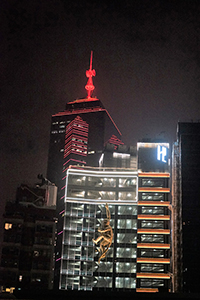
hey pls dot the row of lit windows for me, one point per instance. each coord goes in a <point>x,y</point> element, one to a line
<point>105,282</point>
<point>86,210</point>
<point>101,181</point>
<point>152,196</point>
<point>156,268</point>
<point>152,224</point>
<point>153,182</point>
<point>154,210</point>
<point>152,238</point>
<point>101,195</point>
<point>75,223</point>
<point>157,253</point>
<point>57,131</point>
<point>120,267</point>
<point>125,252</point>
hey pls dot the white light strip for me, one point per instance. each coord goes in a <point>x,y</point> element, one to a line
<point>151,145</point>
<point>93,201</point>
<point>102,173</point>
<point>121,155</point>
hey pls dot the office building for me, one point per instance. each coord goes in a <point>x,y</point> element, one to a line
<point>138,199</point>
<point>154,271</point>
<point>186,207</point>
<point>27,258</point>
<point>79,133</point>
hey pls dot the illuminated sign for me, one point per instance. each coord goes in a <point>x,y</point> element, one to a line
<point>161,153</point>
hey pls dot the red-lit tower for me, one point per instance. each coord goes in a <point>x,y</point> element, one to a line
<point>78,135</point>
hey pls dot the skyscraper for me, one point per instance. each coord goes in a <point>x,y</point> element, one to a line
<point>186,207</point>
<point>78,135</point>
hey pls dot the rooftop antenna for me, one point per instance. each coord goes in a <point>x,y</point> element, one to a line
<point>90,73</point>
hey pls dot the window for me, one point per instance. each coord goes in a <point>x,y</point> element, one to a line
<point>152,238</point>
<point>152,224</point>
<point>152,253</point>
<point>127,210</point>
<point>127,182</point>
<point>127,224</point>
<point>8,226</point>
<point>151,182</point>
<point>126,252</point>
<point>151,282</point>
<point>153,210</point>
<point>130,238</point>
<point>127,282</point>
<point>153,196</point>
<point>122,267</point>
<point>76,193</point>
<point>157,268</point>
<point>127,195</point>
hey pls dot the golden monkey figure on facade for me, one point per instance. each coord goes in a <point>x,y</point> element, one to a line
<point>106,236</point>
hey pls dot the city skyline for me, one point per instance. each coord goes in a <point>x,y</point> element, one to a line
<point>146,68</point>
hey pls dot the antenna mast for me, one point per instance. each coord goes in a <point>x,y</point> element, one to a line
<point>90,73</point>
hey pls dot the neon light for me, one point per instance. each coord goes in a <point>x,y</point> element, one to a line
<point>58,259</point>
<point>156,231</point>
<point>153,203</point>
<point>153,260</point>
<point>150,189</point>
<point>103,172</point>
<point>153,275</point>
<point>84,111</point>
<point>153,217</point>
<point>151,145</point>
<point>165,175</point>
<point>161,153</point>
<point>76,160</point>
<point>121,155</point>
<point>62,212</point>
<point>154,246</point>
<point>60,232</point>
<point>114,140</point>
<point>146,290</point>
<point>78,111</point>
<point>90,73</point>
<point>83,100</point>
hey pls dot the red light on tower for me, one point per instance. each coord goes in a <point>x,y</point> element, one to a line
<point>90,73</point>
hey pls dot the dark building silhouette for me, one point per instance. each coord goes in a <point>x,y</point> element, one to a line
<point>27,252</point>
<point>186,207</point>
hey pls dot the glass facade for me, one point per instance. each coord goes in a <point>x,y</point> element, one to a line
<point>87,193</point>
<point>153,247</point>
<point>139,204</point>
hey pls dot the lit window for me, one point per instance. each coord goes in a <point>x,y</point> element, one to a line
<point>8,226</point>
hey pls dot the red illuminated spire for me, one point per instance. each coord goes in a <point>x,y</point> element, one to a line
<point>90,73</point>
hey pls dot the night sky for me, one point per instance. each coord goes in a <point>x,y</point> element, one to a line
<point>146,56</point>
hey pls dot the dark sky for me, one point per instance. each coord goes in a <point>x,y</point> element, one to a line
<point>146,56</point>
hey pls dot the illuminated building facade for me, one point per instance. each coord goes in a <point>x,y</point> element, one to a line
<point>138,199</point>
<point>88,190</point>
<point>153,232</point>
<point>186,207</point>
